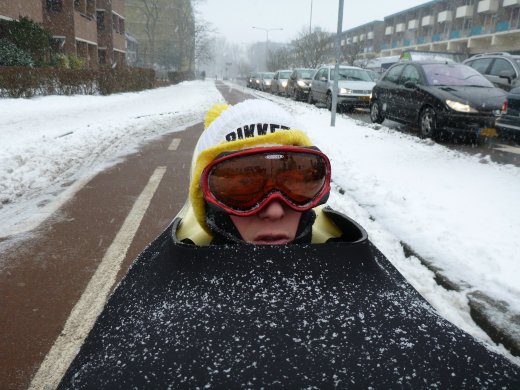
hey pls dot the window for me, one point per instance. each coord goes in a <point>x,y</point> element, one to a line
<point>501,65</point>
<point>115,24</point>
<point>100,17</point>
<point>393,74</point>
<point>410,73</point>
<point>102,56</point>
<point>319,74</point>
<point>480,65</point>
<point>54,5</point>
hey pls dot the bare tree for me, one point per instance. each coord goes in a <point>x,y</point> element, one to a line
<point>151,14</point>
<point>185,31</point>
<point>312,49</point>
<point>278,59</point>
<point>204,52</point>
<point>351,52</point>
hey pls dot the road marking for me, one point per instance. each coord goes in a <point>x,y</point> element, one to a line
<point>87,309</point>
<point>508,148</point>
<point>175,144</point>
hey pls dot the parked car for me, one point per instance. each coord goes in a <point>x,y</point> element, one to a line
<point>257,80</point>
<point>502,69</point>
<point>508,124</point>
<point>438,97</point>
<point>265,81</point>
<point>298,83</point>
<point>250,80</point>
<point>354,87</point>
<point>279,83</point>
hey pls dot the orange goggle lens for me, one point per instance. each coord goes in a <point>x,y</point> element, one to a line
<point>243,182</point>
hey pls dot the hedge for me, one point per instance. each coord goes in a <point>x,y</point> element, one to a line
<point>27,82</point>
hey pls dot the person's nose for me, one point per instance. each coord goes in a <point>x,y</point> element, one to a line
<point>273,210</point>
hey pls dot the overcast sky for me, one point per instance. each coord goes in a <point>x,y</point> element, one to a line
<point>235,19</point>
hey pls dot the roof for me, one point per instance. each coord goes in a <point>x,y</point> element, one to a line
<point>408,10</point>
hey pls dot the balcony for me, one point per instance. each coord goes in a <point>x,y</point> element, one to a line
<point>487,7</point>
<point>465,11</point>
<point>455,35</point>
<point>476,30</point>
<point>413,24</point>
<point>436,37</point>
<point>502,26</point>
<point>400,27</point>
<point>427,20</point>
<point>509,3</point>
<point>389,30</point>
<point>445,16</point>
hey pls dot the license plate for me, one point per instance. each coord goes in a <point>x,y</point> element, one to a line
<point>488,132</point>
<point>364,98</point>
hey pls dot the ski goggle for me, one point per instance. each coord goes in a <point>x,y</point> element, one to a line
<point>243,182</point>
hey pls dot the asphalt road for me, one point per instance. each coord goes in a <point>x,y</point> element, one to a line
<point>55,282</point>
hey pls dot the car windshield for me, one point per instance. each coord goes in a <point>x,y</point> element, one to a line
<point>268,75</point>
<point>351,74</point>
<point>285,75</point>
<point>306,74</point>
<point>455,75</point>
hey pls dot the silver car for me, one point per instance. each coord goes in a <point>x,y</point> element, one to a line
<point>502,69</point>
<point>279,82</point>
<point>354,87</point>
<point>265,81</point>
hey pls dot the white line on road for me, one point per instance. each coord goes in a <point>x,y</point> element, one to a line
<point>175,144</point>
<point>508,148</point>
<point>91,303</point>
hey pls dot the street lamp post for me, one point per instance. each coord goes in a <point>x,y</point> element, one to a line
<point>267,39</point>
<point>310,21</point>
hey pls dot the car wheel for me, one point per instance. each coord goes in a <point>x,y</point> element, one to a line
<point>427,123</point>
<point>329,102</point>
<point>310,99</point>
<point>375,113</point>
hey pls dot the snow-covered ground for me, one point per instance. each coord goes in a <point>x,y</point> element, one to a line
<point>459,213</point>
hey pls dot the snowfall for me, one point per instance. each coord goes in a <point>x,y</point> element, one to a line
<point>458,213</point>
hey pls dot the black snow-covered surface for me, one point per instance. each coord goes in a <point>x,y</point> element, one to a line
<point>298,316</point>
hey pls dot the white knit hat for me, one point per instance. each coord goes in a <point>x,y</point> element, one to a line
<point>250,118</point>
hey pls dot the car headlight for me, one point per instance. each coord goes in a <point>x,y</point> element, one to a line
<point>460,107</point>
<point>345,91</point>
<point>301,83</point>
<point>268,82</point>
<point>284,84</point>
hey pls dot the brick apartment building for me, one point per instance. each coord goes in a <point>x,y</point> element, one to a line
<point>94,30</point>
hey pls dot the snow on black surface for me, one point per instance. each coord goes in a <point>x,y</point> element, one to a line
<point>311,316</point>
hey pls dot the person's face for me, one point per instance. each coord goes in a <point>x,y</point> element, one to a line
<point>275,224</point>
